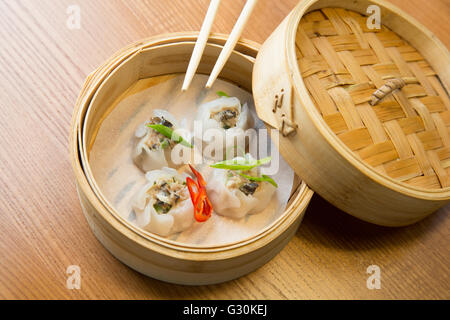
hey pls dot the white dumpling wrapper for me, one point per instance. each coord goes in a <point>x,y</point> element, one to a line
<point>179,218</point>
<point>233,203</point>
<point>228,136</point>
<point>146,159</point>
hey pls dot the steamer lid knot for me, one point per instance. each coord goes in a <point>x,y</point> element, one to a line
<point>386,89</point>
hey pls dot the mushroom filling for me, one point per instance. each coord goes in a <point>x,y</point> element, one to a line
<point>249,188</point>
<point>228,117</point>
<point>157,140</point>
<point>162,120</point>
<point>166,193</point>
<point>246,186</point>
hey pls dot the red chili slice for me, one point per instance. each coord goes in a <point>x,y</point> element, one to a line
<point>200,213</point>
<point>200,180</point>
<point>199,197</point>
<point>193,189</point>
<point>207,210</point>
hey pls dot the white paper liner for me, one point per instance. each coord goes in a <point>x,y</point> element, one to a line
<point>119,179</point>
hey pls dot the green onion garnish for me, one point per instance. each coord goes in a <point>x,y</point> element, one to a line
<point>222,94</point>
<point>164,144</point>
<point>168,132</point>
<point>162,207</point>
<point>262,178</point>
<point>241,164</point>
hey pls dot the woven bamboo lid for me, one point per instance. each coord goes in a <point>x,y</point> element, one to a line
<point>403,134</point>
<point>363,113</point>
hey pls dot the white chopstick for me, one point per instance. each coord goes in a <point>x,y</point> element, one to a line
<point>231,42</point>
<point>201,43</point>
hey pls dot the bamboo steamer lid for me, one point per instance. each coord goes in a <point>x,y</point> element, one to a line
<point>364,114</point>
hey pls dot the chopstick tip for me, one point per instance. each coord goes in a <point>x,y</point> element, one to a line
<point>209,83</point>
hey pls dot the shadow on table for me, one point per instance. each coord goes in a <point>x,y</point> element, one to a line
<point>328,226</point>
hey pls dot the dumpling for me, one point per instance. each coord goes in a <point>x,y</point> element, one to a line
<point>163,206</point>
<point>235,196</point>
<point>152,149</point>
<point>229,117</point>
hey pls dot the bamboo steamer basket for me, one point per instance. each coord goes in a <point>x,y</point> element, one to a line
<point>147,253</point>
<point>364,114</point>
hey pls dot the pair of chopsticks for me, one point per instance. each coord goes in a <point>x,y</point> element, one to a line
<point>227,49</point>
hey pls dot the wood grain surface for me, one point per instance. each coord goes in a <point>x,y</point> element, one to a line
<point>42,231</point>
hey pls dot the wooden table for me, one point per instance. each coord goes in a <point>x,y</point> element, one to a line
<point>43,64</point>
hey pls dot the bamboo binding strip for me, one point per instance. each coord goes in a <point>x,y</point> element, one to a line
<point>403,134</point>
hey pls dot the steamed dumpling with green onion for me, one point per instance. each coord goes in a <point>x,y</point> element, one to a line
<point>153,149</point>
<point>236,193</point>
<point>163,206</point>
<point>228,116</point>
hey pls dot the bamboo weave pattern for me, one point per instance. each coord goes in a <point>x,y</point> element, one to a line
<point>343,62</point>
